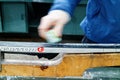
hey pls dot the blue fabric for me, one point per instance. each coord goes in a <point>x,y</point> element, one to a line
<point>66,5</point>
<point>102,21</point>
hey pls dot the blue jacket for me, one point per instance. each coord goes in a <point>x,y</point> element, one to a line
<point>102,21</point>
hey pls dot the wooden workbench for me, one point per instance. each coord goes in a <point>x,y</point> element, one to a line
<point>72,65</point>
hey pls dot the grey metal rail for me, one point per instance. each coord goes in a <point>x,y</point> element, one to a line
<point>36,47</point>
<point>43,61</point>
<point>41,48</point>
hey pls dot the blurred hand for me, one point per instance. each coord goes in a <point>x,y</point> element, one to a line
<point>55,20</point>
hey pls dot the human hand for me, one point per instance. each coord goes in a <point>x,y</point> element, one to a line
<point>54,21</point>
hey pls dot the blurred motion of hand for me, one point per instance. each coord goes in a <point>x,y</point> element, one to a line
<point>55,20</point>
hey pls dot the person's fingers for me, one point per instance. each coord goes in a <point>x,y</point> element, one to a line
<point>45,24</point>
<point>55,20</point>
<point>42,34</point>
<point>58,29</point>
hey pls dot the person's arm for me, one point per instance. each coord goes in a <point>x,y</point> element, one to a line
<point>59,14</point>
<point>65,5</point>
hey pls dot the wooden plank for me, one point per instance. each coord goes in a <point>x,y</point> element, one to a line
<point>72,65</point>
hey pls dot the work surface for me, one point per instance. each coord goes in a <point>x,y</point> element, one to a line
<point>72,65</point>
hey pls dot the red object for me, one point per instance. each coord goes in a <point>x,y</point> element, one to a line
<point>40,49</point>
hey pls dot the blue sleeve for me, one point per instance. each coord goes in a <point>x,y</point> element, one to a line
<point>66,5</point>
